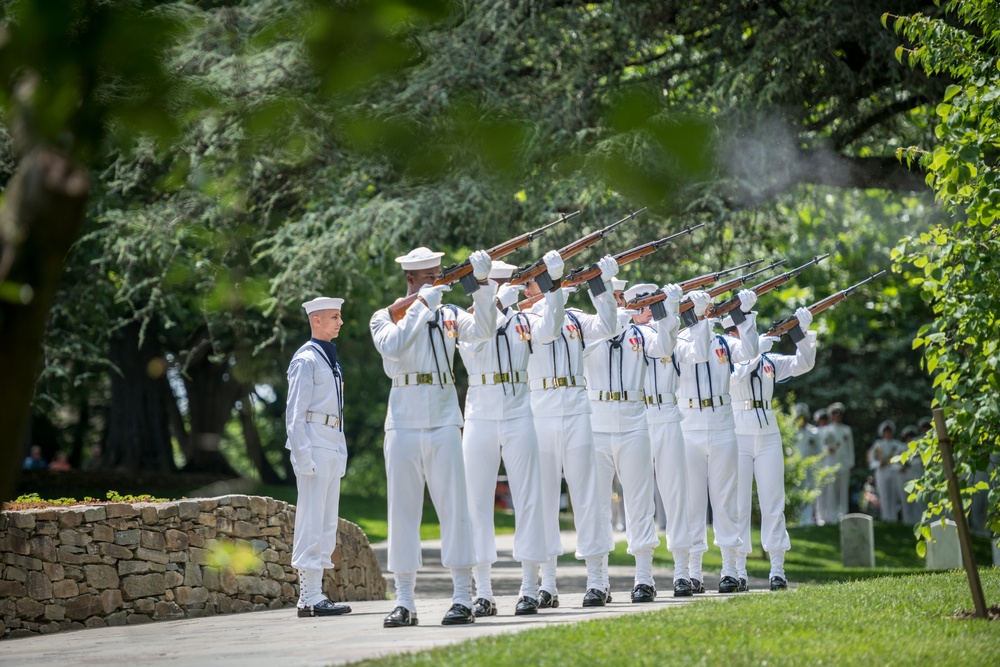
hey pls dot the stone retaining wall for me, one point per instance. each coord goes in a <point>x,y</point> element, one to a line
<point>117,564</point>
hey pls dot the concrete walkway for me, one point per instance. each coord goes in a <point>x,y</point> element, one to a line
<point>279,638</point>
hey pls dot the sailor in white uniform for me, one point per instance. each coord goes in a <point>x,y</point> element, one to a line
<point>839,438</point>
<point>710,443</point>
<point>423,442</point>
<point>761,455</point>
<point>498,424</point>
<point>314,418</point>
<point>565,440</point>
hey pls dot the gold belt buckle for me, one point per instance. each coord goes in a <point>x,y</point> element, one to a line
<point>560,382</point>
<point>501,377</point>
<point>707,402</point>
<point>425,378</point>
<point>614,395</point>
<point>758,404</point>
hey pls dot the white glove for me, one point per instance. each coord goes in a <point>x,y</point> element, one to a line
<point>481,264</point>
<point>306,469</point>
<point>608,267</point>
<point>569,290</point>
<point>673,293</point>
<point>554,264</point>
<point>804,317</point>
<point>508,294</point>
<point>431,294</point>
<point>700,300</point>
<point>747,299</point>
<point>624,318</point>
<point>765,343</point>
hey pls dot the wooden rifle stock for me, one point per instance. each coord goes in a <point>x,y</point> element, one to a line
<point>535,270</point>
<point>722,309</point>
<point>463,272</point>
<point>786,325</point>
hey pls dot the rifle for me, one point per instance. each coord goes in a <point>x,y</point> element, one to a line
<point>592,275</point>
<point>733,304</point>
<point>537,270</point>
<point>789,324</point>
<point>712,278</point>
<point>655,300</point>
<point>463,272</point>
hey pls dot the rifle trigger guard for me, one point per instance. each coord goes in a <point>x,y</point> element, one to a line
<point>596,285</point>
<point>545,282</point>
<point>469,283</point>
<point>659,310</point>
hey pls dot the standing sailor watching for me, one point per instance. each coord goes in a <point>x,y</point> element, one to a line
<point>565,440</point>
<point>761,455</point>
<point>498,424</point>
<point>808,444</point>
<point>314,422</point>
<point>710,443</point>
<point>664,417</point>
<point>423,442</point>
<point>839,438</point>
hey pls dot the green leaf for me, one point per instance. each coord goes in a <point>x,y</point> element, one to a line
<point>951,91</point>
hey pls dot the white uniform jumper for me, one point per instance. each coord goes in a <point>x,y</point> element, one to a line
<point>710,444</point>
<point>314,424</point>
<point>807,441</point>
<point>423,442</point>
<point>887,478</point>
<point>565,440</point>
<point>761,455</point>
<point>666,438</point>
<point>498,423</point>
<point>839,438</point>
<point>616,372</point>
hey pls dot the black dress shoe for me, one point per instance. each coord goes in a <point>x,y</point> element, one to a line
<point>595,597</point>
<point>483,607</point>
<point>743,587</point>
<point>547,600</point>
<point>684,589</point>
<point>607,595</point>
<point>728,585</point>
<point>399,617</point>
<point>459,614</point>
<point>778,583</point>
<point>643,593</point>
<point>324,608</point>
<point>525,606</point>
<point>697,587</point>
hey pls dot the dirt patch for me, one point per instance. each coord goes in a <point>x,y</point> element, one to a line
<point>992,613</point>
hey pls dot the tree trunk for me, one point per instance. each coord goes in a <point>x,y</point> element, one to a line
<point>43,211</point>
<point>212,392</point>
<point>255,449</point>
<point>138,436</point>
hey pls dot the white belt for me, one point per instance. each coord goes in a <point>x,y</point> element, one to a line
<point>661,399</point>
<point>333,421</point>
<point>602,395</point>
<point>414,379</point>
<point>516,377</point>
<point>713,402</point>
<point>555,383</point>
<point>753,405</point>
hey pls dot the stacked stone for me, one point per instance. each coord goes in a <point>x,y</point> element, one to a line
<point>116,564</point>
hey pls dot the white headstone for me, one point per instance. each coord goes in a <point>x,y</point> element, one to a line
<point>996,551</point>
<point>857,541</point>
<point>944,551</point>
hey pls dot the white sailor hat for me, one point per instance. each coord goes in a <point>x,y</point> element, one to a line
<point>727,322</point>
<point>322,303</point>
<point>501,270</point>
<point>801,410</point>
<point>887,424</point>
<point>640,289</point>
<point>836,406</point>
<point>420,258</point>
<point>618,284</point>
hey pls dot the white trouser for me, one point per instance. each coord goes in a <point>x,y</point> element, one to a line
<point>484,442</point>
<point>843,483</point>
<point>566,447</point>
<point>434,456</point>
<point>712,473</point>
<point>316,512</point>
<point>627,454</point>
<point>670,464</point>
<point>826,504</point>
<point>886,479</point>
<point>762,458</point>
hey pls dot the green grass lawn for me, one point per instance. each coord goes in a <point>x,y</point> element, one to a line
<point>815,555</point>
<point>899,620</point>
